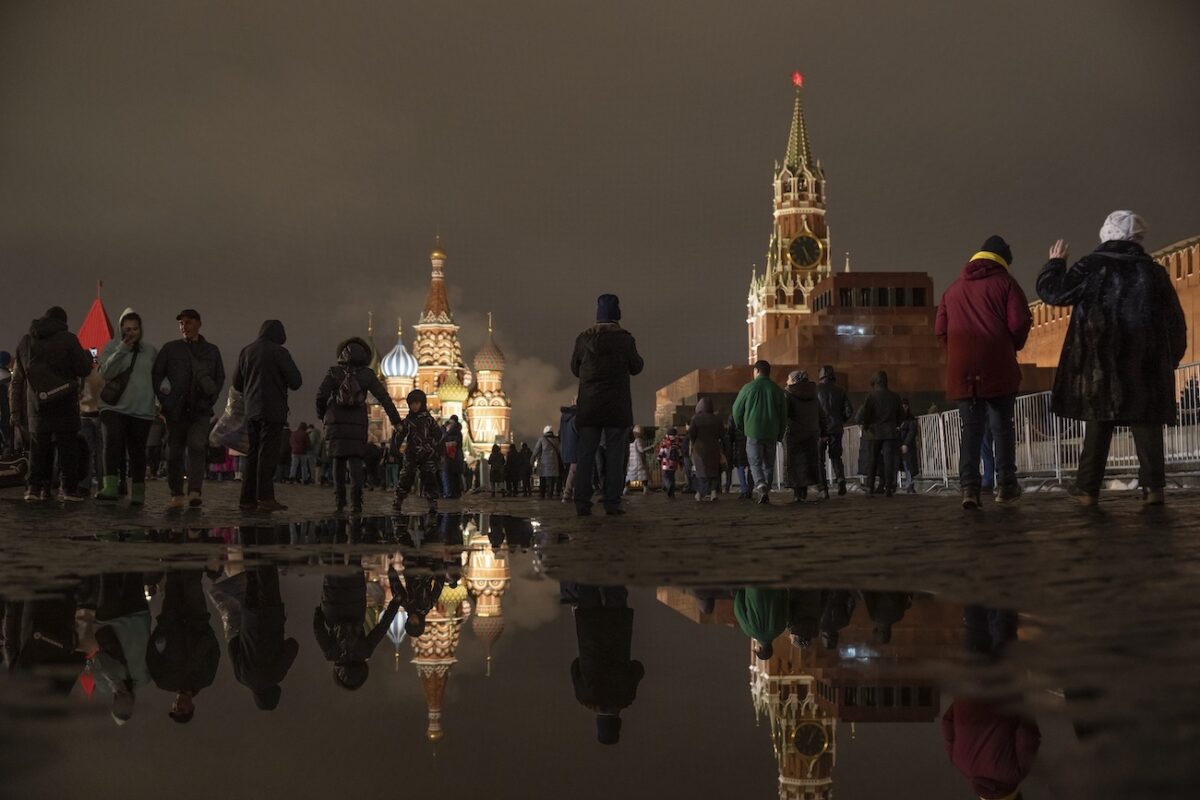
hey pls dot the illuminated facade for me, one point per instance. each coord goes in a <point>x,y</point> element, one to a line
<point>489,411</point>
<point>433,652</point>
<point>487,577</point>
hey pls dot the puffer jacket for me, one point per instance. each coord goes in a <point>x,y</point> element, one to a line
<point>705,434</point>
<point>548,455</point>
<point>180,395</point>
<point>346,426</point>
<point>806,418</point>
<point>339,623</point>
<point>265,372</point>
<point>51,343</point>
<point>604,359</point>
<point>880,412</point>
<point>422,437</point>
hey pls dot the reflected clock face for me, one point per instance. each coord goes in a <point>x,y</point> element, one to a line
<point>811,739</point>
<point>805,251</point>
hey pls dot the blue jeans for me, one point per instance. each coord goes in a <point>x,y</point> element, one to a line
<point>995,414</point>
<point>761,454</point>
<point>744,486</point>
<point>616,442</point>
<point>987,455</point>
<point>668,481</point>
<point>300,468</point>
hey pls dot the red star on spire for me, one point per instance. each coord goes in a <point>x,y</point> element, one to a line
<point>797,80</point>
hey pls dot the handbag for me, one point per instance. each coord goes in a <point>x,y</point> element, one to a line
<point>114,388</point>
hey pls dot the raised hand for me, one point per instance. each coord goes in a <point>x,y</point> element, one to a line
<point>1060,249</point>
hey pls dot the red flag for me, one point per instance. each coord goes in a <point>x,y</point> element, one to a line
<point>96,330</point>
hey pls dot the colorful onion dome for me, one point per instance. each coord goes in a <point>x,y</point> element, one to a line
<point>451,597</point>
<point>489,356</point>
<point>399,363</point>
<point>452,390</point>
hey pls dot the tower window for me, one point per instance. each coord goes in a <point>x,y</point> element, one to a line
<point>918,296</point>
<point>899,296</point>
<point>845,297</point>
<point>864,298</point>
<point>881,296</point>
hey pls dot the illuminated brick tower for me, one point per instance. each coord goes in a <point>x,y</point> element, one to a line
<point>798,254</point>
<point>436,347</point>
<point>489,411</point>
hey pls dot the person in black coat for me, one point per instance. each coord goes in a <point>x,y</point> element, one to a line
<point>188,376</point>
<point>838,411</point>
<point>604,359</point>
<point>736,447</point>
<point>41,633</point>
<point>1126,336</point>
<point>49,357</point>
<point>605,676</point>
<point>183,654</point>
<point>497,467</point>
<point>880,418</point>
<point>338,625</point>
<point>806,426</point>
<point>423,441</point>
<point>910,446</point>
<point>342,404</point>
<point>265,372</point>
<point>261,651</point>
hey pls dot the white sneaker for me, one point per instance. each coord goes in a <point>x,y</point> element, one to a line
<point>698,498</point>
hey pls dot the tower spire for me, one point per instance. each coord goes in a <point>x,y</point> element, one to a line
<point>489,323</point>
<point>797,147</point>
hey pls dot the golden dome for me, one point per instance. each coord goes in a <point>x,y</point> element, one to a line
<point>437,254</point>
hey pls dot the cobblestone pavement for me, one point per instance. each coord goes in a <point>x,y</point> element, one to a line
<point>1111,592</point>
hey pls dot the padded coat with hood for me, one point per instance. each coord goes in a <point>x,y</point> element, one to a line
<point>806,417</point>
<point>983,321</point>
<point>49,342</point>
<point>604,359</point>
<point>1126,336</point>
<point>346,426</point>
<point>706,432</point>
<point>265,371</point>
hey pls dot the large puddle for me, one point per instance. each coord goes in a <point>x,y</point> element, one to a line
<point>436,655</point>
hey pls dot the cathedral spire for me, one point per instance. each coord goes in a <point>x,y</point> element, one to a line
<point>798,154</point>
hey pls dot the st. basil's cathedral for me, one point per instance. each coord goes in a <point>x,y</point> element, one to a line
<point>435,365</point>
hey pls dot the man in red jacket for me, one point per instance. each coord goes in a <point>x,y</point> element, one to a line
<point>983,321</point>
<point>995,751</point>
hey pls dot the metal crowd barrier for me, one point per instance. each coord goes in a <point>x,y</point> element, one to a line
<point>1048,446</point>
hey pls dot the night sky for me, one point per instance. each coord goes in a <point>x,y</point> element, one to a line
<point>293,159</point>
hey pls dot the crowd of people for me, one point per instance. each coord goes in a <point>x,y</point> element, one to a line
<point>106,420</point>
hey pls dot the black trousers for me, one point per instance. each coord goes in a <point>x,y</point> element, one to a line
<point>408,475</point>
<point>548,485</point>
<point>258,480</point>
<point>187,439</point>
<point>43,447</point>
<point>353,467</point>
<point>831,450</point>
<point>125,436</point>
<point>1147,440</point>
<point>882,464</point>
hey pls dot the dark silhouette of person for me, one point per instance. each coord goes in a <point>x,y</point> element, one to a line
<point>424,579</point>
<point>338,624</point>
<point>839,607</point>
<point>261,651</point>
<point>885,610</point>
<point>183,654</point>
<point>40,635</point>
<point>805,607</point>
<point>605,677</point>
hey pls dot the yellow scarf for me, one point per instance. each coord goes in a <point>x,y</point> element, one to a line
<point>990,257</point>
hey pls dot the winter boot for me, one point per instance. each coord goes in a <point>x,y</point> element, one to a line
<point>970,499</point>
<point>108,489</point>
<point>339,499</point>
<point>841,487</point>
<point>398,502</point>
<point>1153,497</point>
<point>1084,498</point>
<point>356,501</point>
<point>137,494</point>
<point>1008,494</point>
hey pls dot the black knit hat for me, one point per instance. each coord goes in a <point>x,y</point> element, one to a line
<point>997,245</point>
<point>608,729</point>
<point>56,312</point>
<point>608,308</point>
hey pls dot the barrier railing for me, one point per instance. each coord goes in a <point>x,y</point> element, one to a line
<point>1048,446</point>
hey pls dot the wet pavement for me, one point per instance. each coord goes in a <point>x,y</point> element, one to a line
<point>1048,644</point>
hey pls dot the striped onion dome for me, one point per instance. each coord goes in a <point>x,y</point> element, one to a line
<point>489,356</point>
<point>452,390</point>
<point>399,363</point>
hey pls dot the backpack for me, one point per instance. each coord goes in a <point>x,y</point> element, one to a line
<point>350,393</point>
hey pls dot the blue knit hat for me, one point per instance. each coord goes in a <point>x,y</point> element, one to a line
<point>5,358</point>
<point>608,308</point>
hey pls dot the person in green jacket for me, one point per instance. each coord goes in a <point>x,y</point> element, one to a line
<point>760,411</point>
<point>762,615</point>
<point>126,421</point>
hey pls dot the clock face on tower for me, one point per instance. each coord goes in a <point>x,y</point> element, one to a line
<point>805,251</point>
<point>811,739</point>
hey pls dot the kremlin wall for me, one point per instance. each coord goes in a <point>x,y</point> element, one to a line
<point>801,314</point>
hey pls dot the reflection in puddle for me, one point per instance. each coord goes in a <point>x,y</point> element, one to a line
<point>439,640</point>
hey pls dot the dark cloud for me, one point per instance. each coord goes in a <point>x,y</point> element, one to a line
<point>292,158</point>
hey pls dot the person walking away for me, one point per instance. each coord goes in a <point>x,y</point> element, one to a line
<point>636,469</point>
<point>282,466</point>
<point>806,426</point>
<point>704,436</point>
<point>604,359</point>
<point>298,444</point>
<point>422,437</point>
<point>910,447</point>
<point>736,444</point>
<point>983,321</point>
<point>452,463</point>
<point>569,447</point>
<point>342,405</point>
<point>496,467</point>
<point>316,456</point>
<point>760,412</point>
<point>547,454</point>
<point>837,410</point>
<point>45,401</point>
<point>670,455</point>
<point>127,408</point>
<point>1126,337</point>
<point>880,418</point>
<point>265,372</point>
<point>340,631</point>
<point>188,377</point>
<point>526,470</point>
<point>512,471</point>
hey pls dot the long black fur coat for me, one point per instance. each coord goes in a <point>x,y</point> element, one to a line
<point>1126,337</point>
